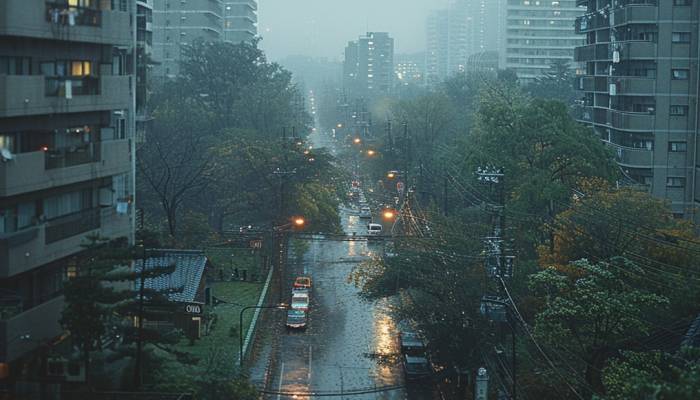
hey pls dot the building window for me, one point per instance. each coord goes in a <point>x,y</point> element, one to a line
<point>678,110</point>
<point>682,2</point>
<point>677,146</point>
<point>675,182</point>
<point>15,66</point>
<point>680,37</point>
<point>680,74</point>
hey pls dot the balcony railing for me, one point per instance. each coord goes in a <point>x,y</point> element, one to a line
<point>72,225</point>
<point>632,157</point>
<point>71,157</point>
<point>75,86</point>
<point>63,14</point>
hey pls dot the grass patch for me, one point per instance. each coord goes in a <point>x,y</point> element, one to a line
<point>219,343</point>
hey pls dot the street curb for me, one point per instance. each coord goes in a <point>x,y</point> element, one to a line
<point>256,316</point>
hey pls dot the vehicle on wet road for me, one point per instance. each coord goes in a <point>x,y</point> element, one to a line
<point>416,367</point>
<point>296,319</point>
<point>365,213</point>
<point>302,283</point>
<point>374,230</point>
<point>300,301</point>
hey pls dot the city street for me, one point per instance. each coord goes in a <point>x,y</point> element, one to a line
<point>349,345</point>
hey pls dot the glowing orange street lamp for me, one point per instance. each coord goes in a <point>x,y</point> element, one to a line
<point>389,214</point>
<point>357,140</point>
<point>391,175</point>
<point>299,222</point>
<point>371,152</point>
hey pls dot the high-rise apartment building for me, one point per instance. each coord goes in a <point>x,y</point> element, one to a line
<point>144,49</point>
<point>67,112</point>
<point>640,91</point>
<point>240,20</point>
<point>538,33</point>
<point>368,70</point>
<point>465,28</point>
<point>437,47</point>
<point>178,23</point>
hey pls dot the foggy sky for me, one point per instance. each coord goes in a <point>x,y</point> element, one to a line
<point>322,28</point>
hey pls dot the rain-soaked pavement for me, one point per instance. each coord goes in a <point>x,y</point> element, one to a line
<point>350,348</point>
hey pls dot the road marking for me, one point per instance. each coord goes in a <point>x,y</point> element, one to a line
<point>309,375</point>
<point>279,387</point>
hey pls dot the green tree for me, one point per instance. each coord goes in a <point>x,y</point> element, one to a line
<point>591,317</point>
<point>555,84</point>
<point>89,301</point>
<point>543,152</point>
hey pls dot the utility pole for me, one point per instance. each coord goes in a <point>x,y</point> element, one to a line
<point>390,138</point>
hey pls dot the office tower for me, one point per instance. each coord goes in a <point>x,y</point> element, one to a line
<point>67,112</point>
<point>640,92</point>
<point>538,33</point>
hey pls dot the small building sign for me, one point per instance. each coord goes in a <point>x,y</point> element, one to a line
<point>256,244</point>
<point>193,308</point>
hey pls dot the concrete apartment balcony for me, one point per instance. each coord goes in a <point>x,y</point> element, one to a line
<point>581,3</point>
<point>61,237</point>
<point>634,86</point>
<point>632,157</point>
<point>635,13</point>
<point>591,22</point>
<point>636,50</point>
<point>40,323</point>
<point>592,52</point>
<point>56,21</point>
<point>631,121</point>
<point>22,95</point>
<point>29,172</point>
<point>591,83</point>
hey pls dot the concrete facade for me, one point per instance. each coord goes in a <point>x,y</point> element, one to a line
<point>368,70</point>
<point>640,92</point>
<point>240,20</point>
<point>539,32</point>
<point>465,28</point>
<point>177,24</point>
<point>67,117</point>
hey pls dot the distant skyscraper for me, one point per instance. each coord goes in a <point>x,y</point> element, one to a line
<point>179,23</point>
<point>437,46</point>
<point>539,32</point>
<point>368,70</point>
<point>240,20</point>
<point>467,27</point>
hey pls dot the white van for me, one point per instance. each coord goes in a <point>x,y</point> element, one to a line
<point>374,230</point>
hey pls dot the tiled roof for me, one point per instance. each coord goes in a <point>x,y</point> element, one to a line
<point>189,269</point>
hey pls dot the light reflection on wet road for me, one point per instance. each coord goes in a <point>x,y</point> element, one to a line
<point>350,345</point>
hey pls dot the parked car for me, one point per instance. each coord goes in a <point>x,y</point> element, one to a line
<point>416,367</point>
<point>412,343</point>
<point>374,230</point>
<point>296,319</point>
<point>365,213</point>
<point>300,301</point>
<point>302,283</point>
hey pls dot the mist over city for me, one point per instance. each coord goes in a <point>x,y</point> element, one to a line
<point>352,200</point>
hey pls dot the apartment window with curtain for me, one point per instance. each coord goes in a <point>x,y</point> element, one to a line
<point>680,74</point>
<point>680,37</point>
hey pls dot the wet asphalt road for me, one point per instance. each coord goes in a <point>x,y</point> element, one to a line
<point>350,345</point>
